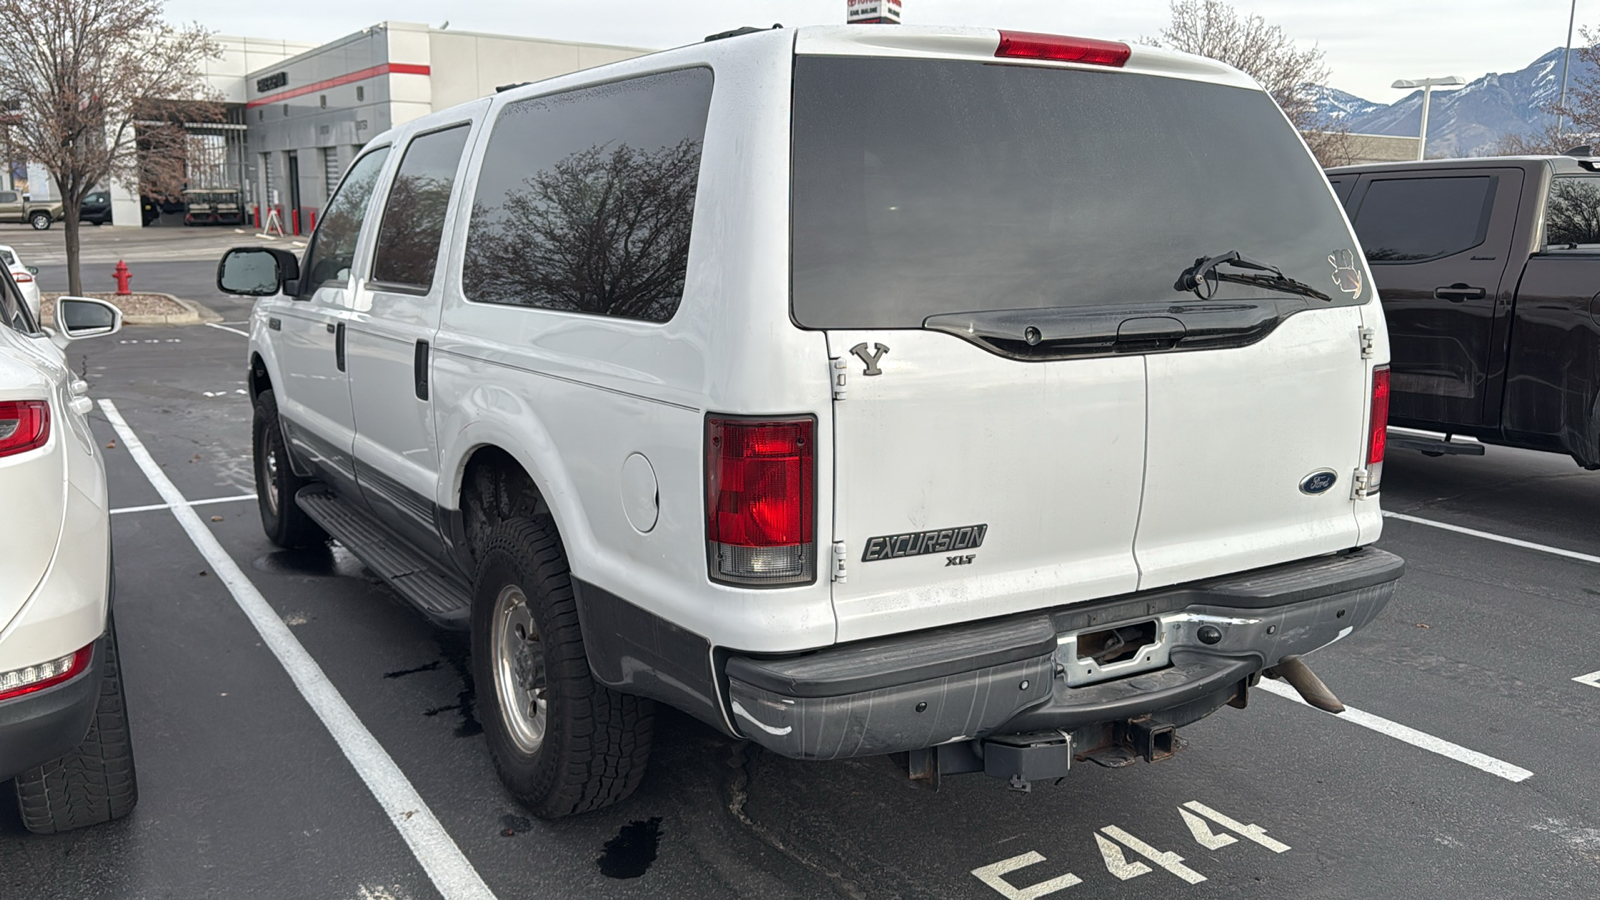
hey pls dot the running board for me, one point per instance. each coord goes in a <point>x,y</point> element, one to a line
<point>1433,446</point>
<point>442,597</point>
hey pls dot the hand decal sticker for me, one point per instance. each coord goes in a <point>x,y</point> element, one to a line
<point>1345,273</point>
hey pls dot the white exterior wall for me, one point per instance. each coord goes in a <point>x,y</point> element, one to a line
<point>467,65</point>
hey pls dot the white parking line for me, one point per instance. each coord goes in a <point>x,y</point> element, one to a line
<point>452,873</point>
<point>155,506</point>
<point>1530,545</point>
<point>1411,736</point>
<point>226,328</point>
<point>1592,679</point>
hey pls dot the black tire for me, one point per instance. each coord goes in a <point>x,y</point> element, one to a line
<point>595,742</point>
<point>285,523</point>
<point>40,221</point>
<point>94,783</point>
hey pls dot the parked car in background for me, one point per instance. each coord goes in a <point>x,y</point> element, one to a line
<point>1488,271</point>
<point>16,208</point>
<point>908,399</point>
<point>26,278</point>
<point>64,744</point>
<point>96,208</point>
<point>213,206</point>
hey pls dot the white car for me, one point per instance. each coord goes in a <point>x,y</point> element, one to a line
<point>25,276</point>
<point>64,741</point>
<point>1002,400</point>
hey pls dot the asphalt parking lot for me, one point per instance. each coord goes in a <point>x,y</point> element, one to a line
<point>1467,772</point>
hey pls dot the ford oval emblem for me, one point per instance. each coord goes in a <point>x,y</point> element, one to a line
<point>1318,482</point>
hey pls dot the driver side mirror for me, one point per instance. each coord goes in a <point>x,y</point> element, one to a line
<point>258,272</point>
<point>84,317</point>
<point>32,270</point>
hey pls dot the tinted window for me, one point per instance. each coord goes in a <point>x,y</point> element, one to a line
<point>413,219</point>
<point>1572,215</point>
<point>1415,219</point>
<point>924,187</point>
<point>7,257</point>
<point>333,247</point>
<point>13,311</point>
<point>585,199</point>
<point>1341,188</point>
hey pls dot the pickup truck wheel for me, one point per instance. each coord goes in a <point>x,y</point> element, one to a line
<point>40,221</point>
<point>94,783</point>
<point>285,523</point>
<point>561,743</point>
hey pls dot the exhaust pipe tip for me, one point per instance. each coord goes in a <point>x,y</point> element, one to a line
<point>1294,670</point>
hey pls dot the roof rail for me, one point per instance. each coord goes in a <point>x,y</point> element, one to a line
<point>500,89</point>
<point>748,29</point>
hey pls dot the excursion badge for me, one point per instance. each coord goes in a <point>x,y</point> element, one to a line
<point>922,543</point>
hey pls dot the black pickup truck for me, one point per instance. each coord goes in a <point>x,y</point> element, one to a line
<point>1489,272</point>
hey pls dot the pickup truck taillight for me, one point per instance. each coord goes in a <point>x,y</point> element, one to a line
<point>760,500</point>
<point>1377,427</point>
<point>24,425</point>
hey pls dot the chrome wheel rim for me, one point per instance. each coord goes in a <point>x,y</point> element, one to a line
<point>519,678</point>
<point>269,477</point>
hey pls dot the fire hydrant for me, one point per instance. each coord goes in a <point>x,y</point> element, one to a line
<point>122,275</point>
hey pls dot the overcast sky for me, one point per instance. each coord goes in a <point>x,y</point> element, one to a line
<point>1369,43</point>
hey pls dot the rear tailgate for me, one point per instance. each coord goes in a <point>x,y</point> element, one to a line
<point>994,252</point>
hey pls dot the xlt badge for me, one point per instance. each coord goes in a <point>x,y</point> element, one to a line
<point>920,543</point>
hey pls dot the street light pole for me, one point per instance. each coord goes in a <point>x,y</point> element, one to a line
<point>1566,62</point>
<point>1427,85</point>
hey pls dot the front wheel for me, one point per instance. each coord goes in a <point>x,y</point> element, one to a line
<point>285,523</point>
<point>561,743</point>
<point>40,221</point>
<point>94,783</point>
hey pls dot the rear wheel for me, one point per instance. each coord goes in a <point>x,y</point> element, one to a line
<point>94,783</point>
<point>562,743</point>
<point>285,523</point>
<point>40,221</point>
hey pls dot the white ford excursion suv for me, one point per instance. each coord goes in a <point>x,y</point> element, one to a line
<point>1000,400</point>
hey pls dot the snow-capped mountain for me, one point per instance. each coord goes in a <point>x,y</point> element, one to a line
<point>1335,105</point>
<point>1469,120</point>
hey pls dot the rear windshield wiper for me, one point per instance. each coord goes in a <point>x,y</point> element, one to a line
<point>1202,277</point>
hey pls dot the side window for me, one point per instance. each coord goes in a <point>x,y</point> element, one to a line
<point>585,199</point>
<point>1572,214</point>
<point>8,196</point>
<point>1341,188</point>
<point>333,247</point>
<point>1405,220</point>
<point>14,312</point>
<point>413,218</point>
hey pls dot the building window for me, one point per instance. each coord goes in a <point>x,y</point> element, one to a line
<point>286,110</point>
<point>361,93</point>
<point>322,101</point>
<point>261,115</point>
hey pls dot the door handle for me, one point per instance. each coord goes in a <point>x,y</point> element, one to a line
<point>338,345</point>
<point>419,370</point>
<point>1458,292</point>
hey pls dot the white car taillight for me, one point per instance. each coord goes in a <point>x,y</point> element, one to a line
<point>1377,428</point>
<point>26,680</point>
<point>24,425</point>
<point>760,494</point>
<point>21,277</point>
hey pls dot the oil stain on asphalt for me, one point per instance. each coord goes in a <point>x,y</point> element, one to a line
<point>632,851</point>
<point>452,650</point>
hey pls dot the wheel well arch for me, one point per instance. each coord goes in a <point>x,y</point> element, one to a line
<point>258,379</point>
<point>494,485</point>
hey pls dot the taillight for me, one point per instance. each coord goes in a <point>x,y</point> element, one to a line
<point>26,680</point>
<point>21,277</point>
<point>1377,427</point>
<point>1060,48</point>
<point>760,497</point>
<point>24,425</point>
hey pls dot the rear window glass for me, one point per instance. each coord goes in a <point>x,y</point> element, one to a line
<point>925,187</point>
<point>1405,220</point>
<point>1572,215</point>
<point>585,199</point>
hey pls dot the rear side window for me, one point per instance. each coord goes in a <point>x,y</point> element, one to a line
<point>585,199</point>
<point>1405,220</point>
<point>333,246</point>
<point>413,218</point>
<point>1572,214</point>
<point>925,187</point>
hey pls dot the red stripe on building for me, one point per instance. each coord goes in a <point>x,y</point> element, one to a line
<point>363,75</point>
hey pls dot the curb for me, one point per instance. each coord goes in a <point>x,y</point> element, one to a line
<point>194,313</point>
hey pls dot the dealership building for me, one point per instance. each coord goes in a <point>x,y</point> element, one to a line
<point>296,114</point>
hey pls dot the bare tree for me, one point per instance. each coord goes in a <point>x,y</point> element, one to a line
<point>1291,74</point>
<point>101,88</point>
<point>1545,141</point>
